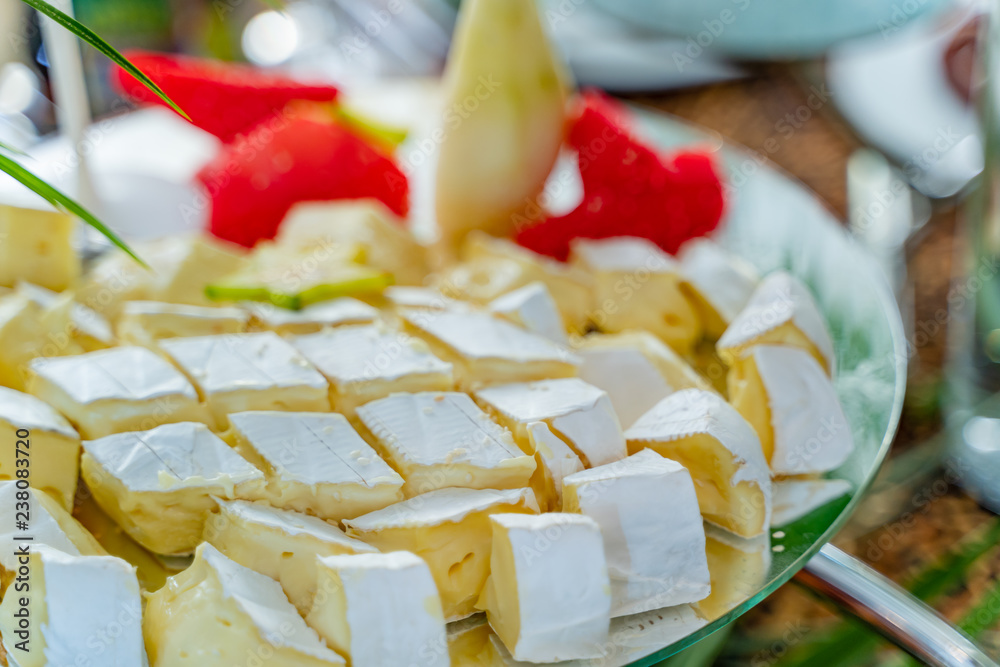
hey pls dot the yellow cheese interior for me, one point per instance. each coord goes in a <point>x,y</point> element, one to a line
<point>328,613</point>
<point>299,398</point>
<point>466,648</point>
<point>621,302</point>
<point>783,334</point>
<point>712,323</point>
<point>34,590</point>
<point>748,395</point>
<point>734,574</point>
<point>55,461</point>
<point>37,248</point>
<point>347,397</point>
<point>736,507</point>
<point>146,328</point>
<point>500,599</point>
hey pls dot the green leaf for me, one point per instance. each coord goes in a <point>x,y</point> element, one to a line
<point>92,38</point>
<point>62,201</point>
<point>12,149</point>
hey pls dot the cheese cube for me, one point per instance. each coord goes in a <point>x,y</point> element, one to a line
<point>315,463</point>
<point>448,528</point>
<point>352,612</point>
<point>436,440</point>
<point>37,247</point>
<point>739,567</point>
<point>27,331</point>
<point>637,369</point>
<point>185,265</point>
<point>795,498</point>
<point>312,318</point>
<point>158,484</point>
<point>653,533</point>
<point>364,363</point>
<point>548,596</point>
<point>218,613</point>
<point>718,283</point>
<point>578,412</point>
<point>387,243</point>
<point>638,286</point>
<point>83,610</point>
<point>253,371</point>
<point>533,308</point>
<point>781,311</point>
<point>84,325</point>
<point>115,390</point>
<point>719,448</point>
<point>49,524</point>
<point>145,322</point>
<point>792,404</point>
<point>487,350</point>
<point>404,296</point>
<point>554,460</point>
<point>468,641</point>
<point>114,279</point>
<point>50,447</point>
<point>281,544</point>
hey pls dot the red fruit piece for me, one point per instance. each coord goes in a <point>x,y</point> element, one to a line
<point>305,156</point>
<point>629,190</point>
<point>225,99</point>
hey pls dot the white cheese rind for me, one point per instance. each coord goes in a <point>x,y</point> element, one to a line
<point>533,308</point>
<point>555,462</point>
<point>623,254</point>
<point>449,505</point>
<point>87,321</point>
<point>335,312</point>
<point>795,498</point>
<point>287,521</point>
<point>632,383</point>
<point>722,279</point>
<point>811,431</point>
<point>779,299</point>
<point>147,321</point>
<point>579,412</point>
<point>22,410</point>
<point>656,558</point>
<point>44,529</point>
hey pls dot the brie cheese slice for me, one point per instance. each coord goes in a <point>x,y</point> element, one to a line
<point>218,613</point>
<point>253,371</point>
<point>719,448</point>
<point>49,446</point>
<point>158,484</point>
<point>315,463</point>
<point>429,298</point>
<point>364,363</point>
<point>332,313</point>
<point>532,308</point>
<point>637,286</point>
<point>82,610</point>
<point>795,498</point>
<point>353,613</point>
<point>554,461</point>
<point>792,404</point>
<point>578,412</point>
<point>85,325</point>
<point>739,567</point>
<point>488,350</point>
<point>656,558</point>
<point>183,265</point>
<point>38,247</point>
<point>27,333</point>
<point>145,322</point>
<point>719,283</point>
<point>548,596</point>
<point>281,544</point>
<point>449,529</point>
<point>781,311</point>
<point>115,390</point>
<point>636,369</point>
<point>437,440</point>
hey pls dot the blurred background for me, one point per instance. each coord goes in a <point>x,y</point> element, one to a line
<point>880,106</point>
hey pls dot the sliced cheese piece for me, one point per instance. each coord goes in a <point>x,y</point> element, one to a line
<point>578,412</point>
<point>184,265</point>
<point>718,283</point>
<point>85,325</point>
<point>792,404</point>
<point>436,440</point>
<point>158,484</point>
<point>218,613</point>
<point>115,390</point>
<point>363,363</point>
<point>656,557</point>
<point>37,247</point>
<point>739,567</point>
<point>48,523</point>
<point>487,350</point>
<point>468,640</point>
<point>637,369</point>
<point>49,446</point>
<point>252,371</point>
<point>638,286</point>
<point>719,448</point>
<point>781,311</point>
<point>29,331</point>
<point>548,596</point>
<point>554,460</point>
<point>81,610</point>
<point>387,242</point>
<point>145,322</point>
<point>281,544</point>
<point>406,296</point>
<point>312,318</point>
<point>380,609</point>
<point>795,498</point>
<point>315,463</point>
<point>448,528</point>
<point>533,308</point>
